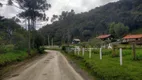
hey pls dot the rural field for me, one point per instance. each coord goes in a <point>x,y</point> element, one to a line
<point>109,67</point>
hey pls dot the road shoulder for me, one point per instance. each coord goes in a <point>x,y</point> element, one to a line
<point>8,70</point>
<point>77,68</point>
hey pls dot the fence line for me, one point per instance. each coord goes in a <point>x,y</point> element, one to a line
<point>77,51</point>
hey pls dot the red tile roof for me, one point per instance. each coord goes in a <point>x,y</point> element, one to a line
<point>103,36</point>
<point>133,36</point>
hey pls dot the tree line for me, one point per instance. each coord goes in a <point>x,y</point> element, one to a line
<point>126,14</point>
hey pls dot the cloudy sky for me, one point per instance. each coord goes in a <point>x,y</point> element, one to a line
<point>58,6</point>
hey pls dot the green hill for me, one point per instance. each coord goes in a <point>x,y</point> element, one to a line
<point>94,22</point>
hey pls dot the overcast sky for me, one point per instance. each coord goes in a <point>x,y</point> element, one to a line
<point>58,6</point>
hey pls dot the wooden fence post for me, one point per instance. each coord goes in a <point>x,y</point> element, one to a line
<point>100,53</point>
<point>134,51</point>
<point>121,62</point>
<point>78,51</point>
<point>82,51</point>
<point>75,51</point>
<point>90,54</point>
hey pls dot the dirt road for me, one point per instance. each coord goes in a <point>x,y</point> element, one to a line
<point>53,66</point>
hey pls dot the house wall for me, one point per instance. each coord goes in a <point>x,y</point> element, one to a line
<point>129,40</point>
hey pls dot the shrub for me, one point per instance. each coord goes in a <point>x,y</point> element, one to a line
<point>64,48</point>
<point>6,48</point>
<point>41,50</point>
<point>106,51</point>
<point>12,57</point>
<point>95,51</point>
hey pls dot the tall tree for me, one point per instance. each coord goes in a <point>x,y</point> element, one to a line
<point>54,18</point>
<point>121,30</point>
<point>118,29</point>
<point>32,10</point>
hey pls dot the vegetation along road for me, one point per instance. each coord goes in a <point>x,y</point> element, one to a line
<point>53,66</point>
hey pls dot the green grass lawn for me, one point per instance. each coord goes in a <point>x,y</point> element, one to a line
<point>109,67</point>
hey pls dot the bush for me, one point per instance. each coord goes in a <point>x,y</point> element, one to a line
<point>67,49</point>
<point>19,41</point>
<point>96,42</point>
<point>12,57</point>
<point>64,48</point>
<point>85,44</point>
<point>106,51</point>
<point>6,48</point>
<point>127,52</point>
<point>9,47</point>
<point>41,50</point>
<point>95,51</point>
<point>2,49</point>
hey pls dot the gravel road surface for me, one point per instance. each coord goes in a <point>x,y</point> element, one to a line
<point>53,66</point>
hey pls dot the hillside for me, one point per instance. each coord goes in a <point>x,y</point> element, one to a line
<point>137,31</point>
<point>90,24</point>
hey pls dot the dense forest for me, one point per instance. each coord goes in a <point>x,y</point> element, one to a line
<point>87,25</point>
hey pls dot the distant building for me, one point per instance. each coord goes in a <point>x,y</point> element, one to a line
<point>105,37</point>
<point>137,38</point>
<point>76,41</point>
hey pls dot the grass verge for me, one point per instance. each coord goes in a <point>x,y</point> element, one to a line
<point>109,68</point>
<point>13,57</point>
<point>80,63</point>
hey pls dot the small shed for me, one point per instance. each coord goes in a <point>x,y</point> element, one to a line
<point>105,37</point>
<point>76,41</point>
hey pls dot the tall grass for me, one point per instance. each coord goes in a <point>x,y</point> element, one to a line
<point>13,56</point>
